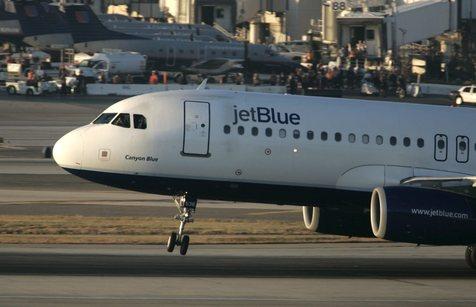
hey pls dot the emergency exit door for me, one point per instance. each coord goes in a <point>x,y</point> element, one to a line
<point>441,147</point>
<point>462,149</point>
<point>196,135</point>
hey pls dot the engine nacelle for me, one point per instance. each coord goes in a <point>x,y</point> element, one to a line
<point>337,221</point>
<point>424,216</point>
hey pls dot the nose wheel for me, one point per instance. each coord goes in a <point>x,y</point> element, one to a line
<point>186,205</point>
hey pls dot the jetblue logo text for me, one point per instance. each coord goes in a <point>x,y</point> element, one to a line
<point>265,115</point>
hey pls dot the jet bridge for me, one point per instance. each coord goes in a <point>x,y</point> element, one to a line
<point>420,20</point>
<point>394,27</point>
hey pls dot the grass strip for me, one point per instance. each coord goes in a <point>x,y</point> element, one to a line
<point>27,229</point>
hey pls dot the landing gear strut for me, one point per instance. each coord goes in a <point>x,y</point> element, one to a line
<point>471,256</point>
<point>186,205</point>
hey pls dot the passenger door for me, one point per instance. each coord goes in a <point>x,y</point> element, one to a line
<point>196,135</point>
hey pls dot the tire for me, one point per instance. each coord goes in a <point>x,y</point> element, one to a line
<point>184,245</point>
<point>458,101</point>
<point>29,92</point>
<point>11,90</point>
<point>171,242</point>
<point>471,256</point>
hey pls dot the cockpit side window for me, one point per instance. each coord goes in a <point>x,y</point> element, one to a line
<point>140,122</point>
<point>104,118</point>
<point>122,120</point>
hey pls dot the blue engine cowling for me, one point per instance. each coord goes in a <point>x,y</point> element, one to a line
<point>423,216</point>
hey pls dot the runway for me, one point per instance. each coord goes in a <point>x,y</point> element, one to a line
<point>339,274</point>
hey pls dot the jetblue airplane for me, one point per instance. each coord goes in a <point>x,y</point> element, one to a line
<point>401,172</point>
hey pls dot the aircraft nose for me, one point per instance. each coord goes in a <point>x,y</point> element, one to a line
<point>68,150</point>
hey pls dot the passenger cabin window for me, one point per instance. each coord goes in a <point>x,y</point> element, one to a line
<point>226,129</point>
<point>338,137</point>
<point>104,118</point>
<point>351,138</point>
<point>241,130</point>
<point>254,131</point>
<point>140,122</point>
<point>268,132</point>
<point>393,141</point>
<point>324,136</point>
<point>296,134</point>
<point>122,120</point>
<point>420,143</point>
<point>310,135</point>
<point>282,133</point>
<point>379,140</point>
<point>365,139</point>
<point>406,141</point>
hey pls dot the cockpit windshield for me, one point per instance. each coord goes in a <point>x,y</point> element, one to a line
<point>122,120</point>
<point>104,118</point>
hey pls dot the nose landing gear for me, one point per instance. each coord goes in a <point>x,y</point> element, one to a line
<point>186,205</point>
<point>471,256</point>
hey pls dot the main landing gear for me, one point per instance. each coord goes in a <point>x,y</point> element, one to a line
<point>471,256</point>
<point>186,205</point>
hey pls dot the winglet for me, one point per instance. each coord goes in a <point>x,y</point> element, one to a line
<point>203,85</point>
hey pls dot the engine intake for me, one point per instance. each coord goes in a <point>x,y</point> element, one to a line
<point>424,216</point>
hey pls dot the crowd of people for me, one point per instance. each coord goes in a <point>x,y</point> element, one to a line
<point>344,74</point>
<point>340,78</point>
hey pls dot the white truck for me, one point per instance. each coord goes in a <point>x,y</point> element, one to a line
<point>113,63</point>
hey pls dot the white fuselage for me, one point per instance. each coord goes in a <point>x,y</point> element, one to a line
<point>186,138</point>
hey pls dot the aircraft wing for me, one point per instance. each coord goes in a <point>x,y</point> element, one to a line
<point>216,66</point>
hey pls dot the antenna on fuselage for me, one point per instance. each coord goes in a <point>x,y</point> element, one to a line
<point>203,85</point>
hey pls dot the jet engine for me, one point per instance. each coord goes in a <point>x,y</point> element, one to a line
<point>423,216</point>
<point>340,220</point>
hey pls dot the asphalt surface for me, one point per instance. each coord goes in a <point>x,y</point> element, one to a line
<point>324,274</point>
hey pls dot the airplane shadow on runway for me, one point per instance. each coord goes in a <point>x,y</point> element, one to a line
<point>219,266</point>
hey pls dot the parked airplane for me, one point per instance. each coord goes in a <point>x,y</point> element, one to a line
<point>54,27</point>
<point>401,172</point>
<point>128,25</point>
<point>91,36</point>
<point>32,23</point>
